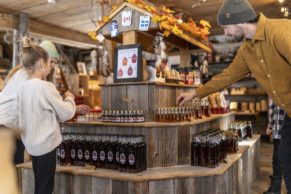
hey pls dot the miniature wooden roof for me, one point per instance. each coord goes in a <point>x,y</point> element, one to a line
<point>177,34</point>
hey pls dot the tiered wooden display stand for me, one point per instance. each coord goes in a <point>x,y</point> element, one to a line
<point>168,151</point>
<point>168,144</point>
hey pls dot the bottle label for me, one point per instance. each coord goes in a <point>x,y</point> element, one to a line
<point>73,153</point>
<point>122,158</point>
<point>80,154</point>
<point>130,119</point>
<point>110,156</point>
<point>94,155</point>
<point>62,153</point>
<point>102,155</point>
<point>131,159</point>
<point>117,157</point>
<point>87,154</point>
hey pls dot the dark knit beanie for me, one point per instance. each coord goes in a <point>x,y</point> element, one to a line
<point>235,12</point>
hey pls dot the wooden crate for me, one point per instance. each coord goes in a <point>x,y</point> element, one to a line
<point>142,96</point>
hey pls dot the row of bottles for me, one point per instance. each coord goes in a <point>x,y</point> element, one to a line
<point>90,117</point>
<point>195,110</point>
<point>123,116</point>
<point>124,153</point>
<point>191,77</point>
<point>243,129</point>
<point>209,148</point>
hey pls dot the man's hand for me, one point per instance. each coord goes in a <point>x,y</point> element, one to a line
<point>82,109</point>
<point>185,97</point>
<point>268,131</point>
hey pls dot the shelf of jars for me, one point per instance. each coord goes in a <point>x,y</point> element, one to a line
<point>235,175</point>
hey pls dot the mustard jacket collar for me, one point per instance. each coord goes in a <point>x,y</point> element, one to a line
<point>260,32</point>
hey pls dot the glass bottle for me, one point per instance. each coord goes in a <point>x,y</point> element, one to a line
<point>95,151</point>
<point>102,151</point>
<point>249,129</point>
<point>123,154</point>
<point>74,149</point>
<point>80,150</point>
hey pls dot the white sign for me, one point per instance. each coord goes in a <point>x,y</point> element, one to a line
<point>126,18</point>
<point>127,63</point>
<point>144,23</point>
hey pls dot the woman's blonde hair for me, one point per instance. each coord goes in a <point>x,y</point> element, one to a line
<point>31,53</point>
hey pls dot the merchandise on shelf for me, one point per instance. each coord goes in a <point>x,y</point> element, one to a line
<point>123,116</point>
<point>242,128</point>
<point>124,153</point>
<point>209,148</point>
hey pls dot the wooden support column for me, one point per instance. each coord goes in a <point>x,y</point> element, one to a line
<point>185,57</point>
<point>129,37</point>
<point>18,35</point>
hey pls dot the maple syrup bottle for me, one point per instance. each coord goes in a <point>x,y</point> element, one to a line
<point>143,153</point>
<point>125,119</point>
<point>110,152</point>
<point>130,117</point>
<point>123,163</point>
<point>80,150</point>
<point>195,151</point>
<point>132,155</point>
<point>202,152</point>
<point>117,147</point>
<point>95,151</point>
<point>121,115</point>
<point>117,117</point>
<point>88,149</point>
<point>141,116</point>
<point>73,151</point>
<point>104,116</point>
<point>249,129</point>
<point>157,116</point>
<point>67,145</point>
<point>135,116</point>
<point>102,151</point>
<point>61,153</point>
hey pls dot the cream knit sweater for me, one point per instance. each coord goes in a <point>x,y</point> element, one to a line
<point>41,108</point>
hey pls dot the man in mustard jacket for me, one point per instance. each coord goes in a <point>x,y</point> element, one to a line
<point>266,53</point>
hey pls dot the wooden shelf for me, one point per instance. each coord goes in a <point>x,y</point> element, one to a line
<point>151,83</point>
<point>152,173</point>
<point>152,124</point>
<point>247,113</point>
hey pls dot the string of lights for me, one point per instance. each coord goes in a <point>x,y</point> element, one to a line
<point>284,9</point>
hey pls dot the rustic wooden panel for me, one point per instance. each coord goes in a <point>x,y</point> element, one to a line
<point>118,93</point>
<point>140,99</point>
<point>168,146</point>
<point>219,184</point>
<point>204,184</point>
<point>169,186</point>
<point>156,187</point>
<point>106,98</point>
<point>142,188</point>
<point>63,183</point>
<point>184,186</point>
<point>153,148</point>
<point>81,184</point>
<point>152,101</point>
<point>184,145</point>
<point>101,186</point>
<point>119,187</point>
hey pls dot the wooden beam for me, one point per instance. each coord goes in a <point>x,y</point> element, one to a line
<point>8,21</point>
<point>47,31</point>
<point>61,35</point>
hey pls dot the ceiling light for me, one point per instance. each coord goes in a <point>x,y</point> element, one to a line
<point>281,1</point>
<point>51,1</point>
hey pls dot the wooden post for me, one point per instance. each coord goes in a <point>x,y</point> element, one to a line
<point>18,35</point>
<point>129,37</point>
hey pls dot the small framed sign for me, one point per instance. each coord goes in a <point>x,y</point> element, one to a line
<point>128,63</point>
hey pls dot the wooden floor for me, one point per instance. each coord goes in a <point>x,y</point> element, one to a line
<point>263,181</point>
